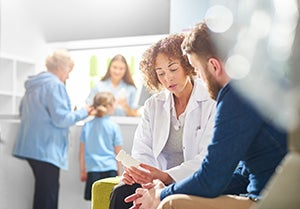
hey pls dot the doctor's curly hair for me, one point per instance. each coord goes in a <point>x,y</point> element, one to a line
<point>171,47</point>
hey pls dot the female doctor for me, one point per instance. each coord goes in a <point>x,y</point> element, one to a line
<point>172,137</point>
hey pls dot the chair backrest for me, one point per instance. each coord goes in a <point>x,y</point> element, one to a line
<point>101,190</point>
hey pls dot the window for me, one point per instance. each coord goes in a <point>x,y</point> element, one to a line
<point>91,64</point>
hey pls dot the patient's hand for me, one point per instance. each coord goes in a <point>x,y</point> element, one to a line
<point>146,197</point>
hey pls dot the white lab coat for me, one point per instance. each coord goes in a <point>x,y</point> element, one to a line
<point>153,130</point>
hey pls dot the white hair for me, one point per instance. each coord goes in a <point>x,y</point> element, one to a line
<point>60,57</point>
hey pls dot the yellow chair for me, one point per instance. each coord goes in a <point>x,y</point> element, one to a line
<point>101,190</point>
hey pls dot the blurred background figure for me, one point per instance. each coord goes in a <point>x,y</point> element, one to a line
<point>46,116</point>
<point>118,81</point>
<point>100,142</point>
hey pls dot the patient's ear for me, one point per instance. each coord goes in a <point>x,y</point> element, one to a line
<point>216,65</point>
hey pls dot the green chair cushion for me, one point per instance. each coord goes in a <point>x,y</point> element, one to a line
<point>101,190</point>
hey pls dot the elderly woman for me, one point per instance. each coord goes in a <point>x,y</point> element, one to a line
<point>46,116</point>
<point>172,137</point>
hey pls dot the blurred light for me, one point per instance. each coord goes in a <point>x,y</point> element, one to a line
<point>285,8</point>
<point>260,24</point>
<point>219,18</point>
<point>264,34</point>
<point>246,43</point>
<point>246,7</point>
<point>283,31</point>
<point>280,42</point>
<point>237,67</point>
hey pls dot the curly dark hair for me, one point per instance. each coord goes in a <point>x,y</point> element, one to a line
<point>169,46</point>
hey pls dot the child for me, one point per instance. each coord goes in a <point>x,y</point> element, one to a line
<point>100,142</point>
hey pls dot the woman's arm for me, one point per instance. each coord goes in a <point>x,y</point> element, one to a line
<point>59,108</point>
<point>129,111</point>
<point>128,102</point>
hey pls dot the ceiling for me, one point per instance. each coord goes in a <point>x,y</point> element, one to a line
<point>70,20</point>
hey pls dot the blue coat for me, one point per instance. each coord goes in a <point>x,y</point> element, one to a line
<point>46,116</point>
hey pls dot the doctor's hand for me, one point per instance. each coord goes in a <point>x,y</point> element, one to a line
<point>147,174</point>
<point>147,197</point>
<point>126,178</point>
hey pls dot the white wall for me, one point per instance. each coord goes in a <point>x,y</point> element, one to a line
<point>186,13</point>
<point>20,35</point>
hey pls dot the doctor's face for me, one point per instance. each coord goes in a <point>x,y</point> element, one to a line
<point>171,74</point>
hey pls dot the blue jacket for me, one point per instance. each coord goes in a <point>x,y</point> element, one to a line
<point>244,152</point>
<point>45,118</point>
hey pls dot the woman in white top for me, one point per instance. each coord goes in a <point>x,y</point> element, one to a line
<point>172,137</point>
